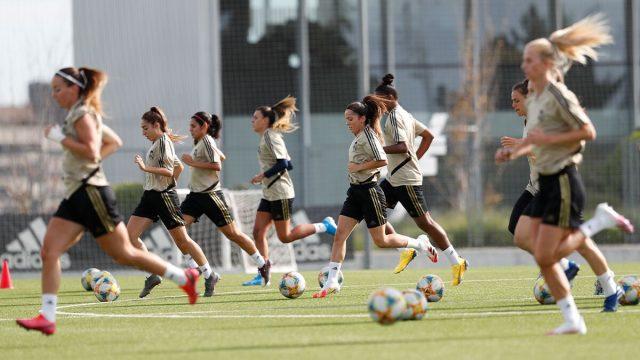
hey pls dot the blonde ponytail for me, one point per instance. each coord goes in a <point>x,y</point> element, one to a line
<point>285,113</point>
<point>578,41</point>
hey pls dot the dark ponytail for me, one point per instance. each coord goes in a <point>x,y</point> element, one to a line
<point>522,87</point>
<point>385,88</point>
<point>156,115</point>
<point>213,121</point>
<point>372,107</point>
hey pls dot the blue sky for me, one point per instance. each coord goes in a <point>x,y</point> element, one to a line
<point>35,41</point>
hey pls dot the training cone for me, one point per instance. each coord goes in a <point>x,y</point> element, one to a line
<point>5,281</point>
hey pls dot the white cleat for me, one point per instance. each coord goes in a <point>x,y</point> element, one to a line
<point>612,219</point>
<point>426,247</point>
<point>570,328</point>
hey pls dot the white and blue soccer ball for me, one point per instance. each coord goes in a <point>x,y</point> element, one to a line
<point>97,276</point>
<point>387,306</point>
<point>324,274</point>
<point>107,289</point>
<point>87,275</point>
<point>292,285</point>
<point>630,284</point>
<point>542,293</point>
<point>416,304</point>
<point>432,287</point>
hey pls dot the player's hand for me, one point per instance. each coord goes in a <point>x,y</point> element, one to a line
<point>257,179</point>
<point>538,137</point>
<point>54,133</point>
<point>507,141</point>
<point>187,159</point>
<point>140,162</point>
<point>502,155</point>
<point>353,167</point>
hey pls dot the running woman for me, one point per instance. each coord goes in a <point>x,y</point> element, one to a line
<point>160,199</point>
<point>365,199</point>
<point>520,220</point>
<point>271,123</point>
<point>404,179</point>
<point>89,203</point>
<point>559,130</point>
<point>206,195</point>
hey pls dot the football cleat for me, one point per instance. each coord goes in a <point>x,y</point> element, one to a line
<point>265,273</point>
<point>331,289</point>
<point>458,271</point>
<point>256,281</point>
<point>330,224</point>
<point>572,271</point>
<point>190,286</point>
<point>611,301</point>
<point>38,323</point>
<point>406,257</point>
<point>152,281</point>
<point>210,284</point>
<point>569,328</point>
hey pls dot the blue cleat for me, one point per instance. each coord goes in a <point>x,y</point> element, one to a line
<point>611,301</point>
<point>256,281</point>
<point>572,270</point>
<point>330,224</point>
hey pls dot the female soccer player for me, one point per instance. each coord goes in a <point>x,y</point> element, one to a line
<point>520,220</point>
<point>559,129</point>
<point>206,196</point>
<point>271,123</point>
<point>160,199</point>
<point>365,199</point>
<point>89,202</point>
<point>404,179</point>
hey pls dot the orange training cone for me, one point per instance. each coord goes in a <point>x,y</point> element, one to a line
<point>5,281</point>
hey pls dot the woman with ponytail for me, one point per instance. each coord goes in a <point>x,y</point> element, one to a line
<point>206,195</point>
<point>160,199</point>
<point>559,129</point>
<point>89,203</point>
<point>365,199</point>
<point>271,123</point>
<point>403,182</point>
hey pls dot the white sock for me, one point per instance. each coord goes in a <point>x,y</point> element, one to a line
<point>258,259</point>
<point>451,254</point>
<point>334,269</point>
<point>596,224</point>
<point>175,274</point>
<point>608,283</point>
<point>401,249</point>
<point>206,270</point>
<point>192,264</point>
<point>320,228</point>
<point>414,244</point>
<point>564,262</point>
<point>569,309</point>
<point>49,303</point>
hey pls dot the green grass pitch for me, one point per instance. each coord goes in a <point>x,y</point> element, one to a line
<point>491,315</point>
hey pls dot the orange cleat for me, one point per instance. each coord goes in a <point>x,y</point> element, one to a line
<point>190,287</point>
<point>38,323</point>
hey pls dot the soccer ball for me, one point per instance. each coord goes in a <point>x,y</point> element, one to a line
<point>97,276</point>
<point>432,287</point>
<point>386,306</point>
<point>630,284</point>
<point>542,293</point>
<point>416,304</point>
<point>107,289</point>
<point>87,275</point>
<point>292,285</point>
<point>324,274</point>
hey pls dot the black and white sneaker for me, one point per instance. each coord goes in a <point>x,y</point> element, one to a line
<point>265,272</point>
<point>151,282</point>
<point>210,284</point>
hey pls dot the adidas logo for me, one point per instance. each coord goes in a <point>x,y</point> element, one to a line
<point>23,253</point>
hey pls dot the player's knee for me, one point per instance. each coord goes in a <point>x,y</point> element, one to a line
<point>543,259</point>
<point>380,241</point>
<point>48,253</point>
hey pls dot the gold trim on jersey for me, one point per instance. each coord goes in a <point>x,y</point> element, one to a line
<point>565,201</point>
<point>222,207</point>
<point>100,208</point>
<point>285,209</point>
<point>172,208</point>
<point>377,205</point>
<point>414,199</point>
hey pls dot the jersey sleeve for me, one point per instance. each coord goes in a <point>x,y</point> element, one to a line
<point>275,143</point>
<point>210,150</point>
<point>569,108</point>
<point>418,127</point>
<point>398,131</point>
<point>167,155</point>
<point>374,147</point>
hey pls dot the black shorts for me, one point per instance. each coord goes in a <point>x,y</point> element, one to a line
<point>411,198</point>
<point>212,204</point>
<point>279,209</point>
<point>163,205</point>
<point>522,207</point>
<point>561,199</point>
<point>93,207</point>
<point>366,202</point>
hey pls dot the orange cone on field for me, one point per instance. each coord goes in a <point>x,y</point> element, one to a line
<point>5,280</point>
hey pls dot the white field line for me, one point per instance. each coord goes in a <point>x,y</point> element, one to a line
<point>212,315</point>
